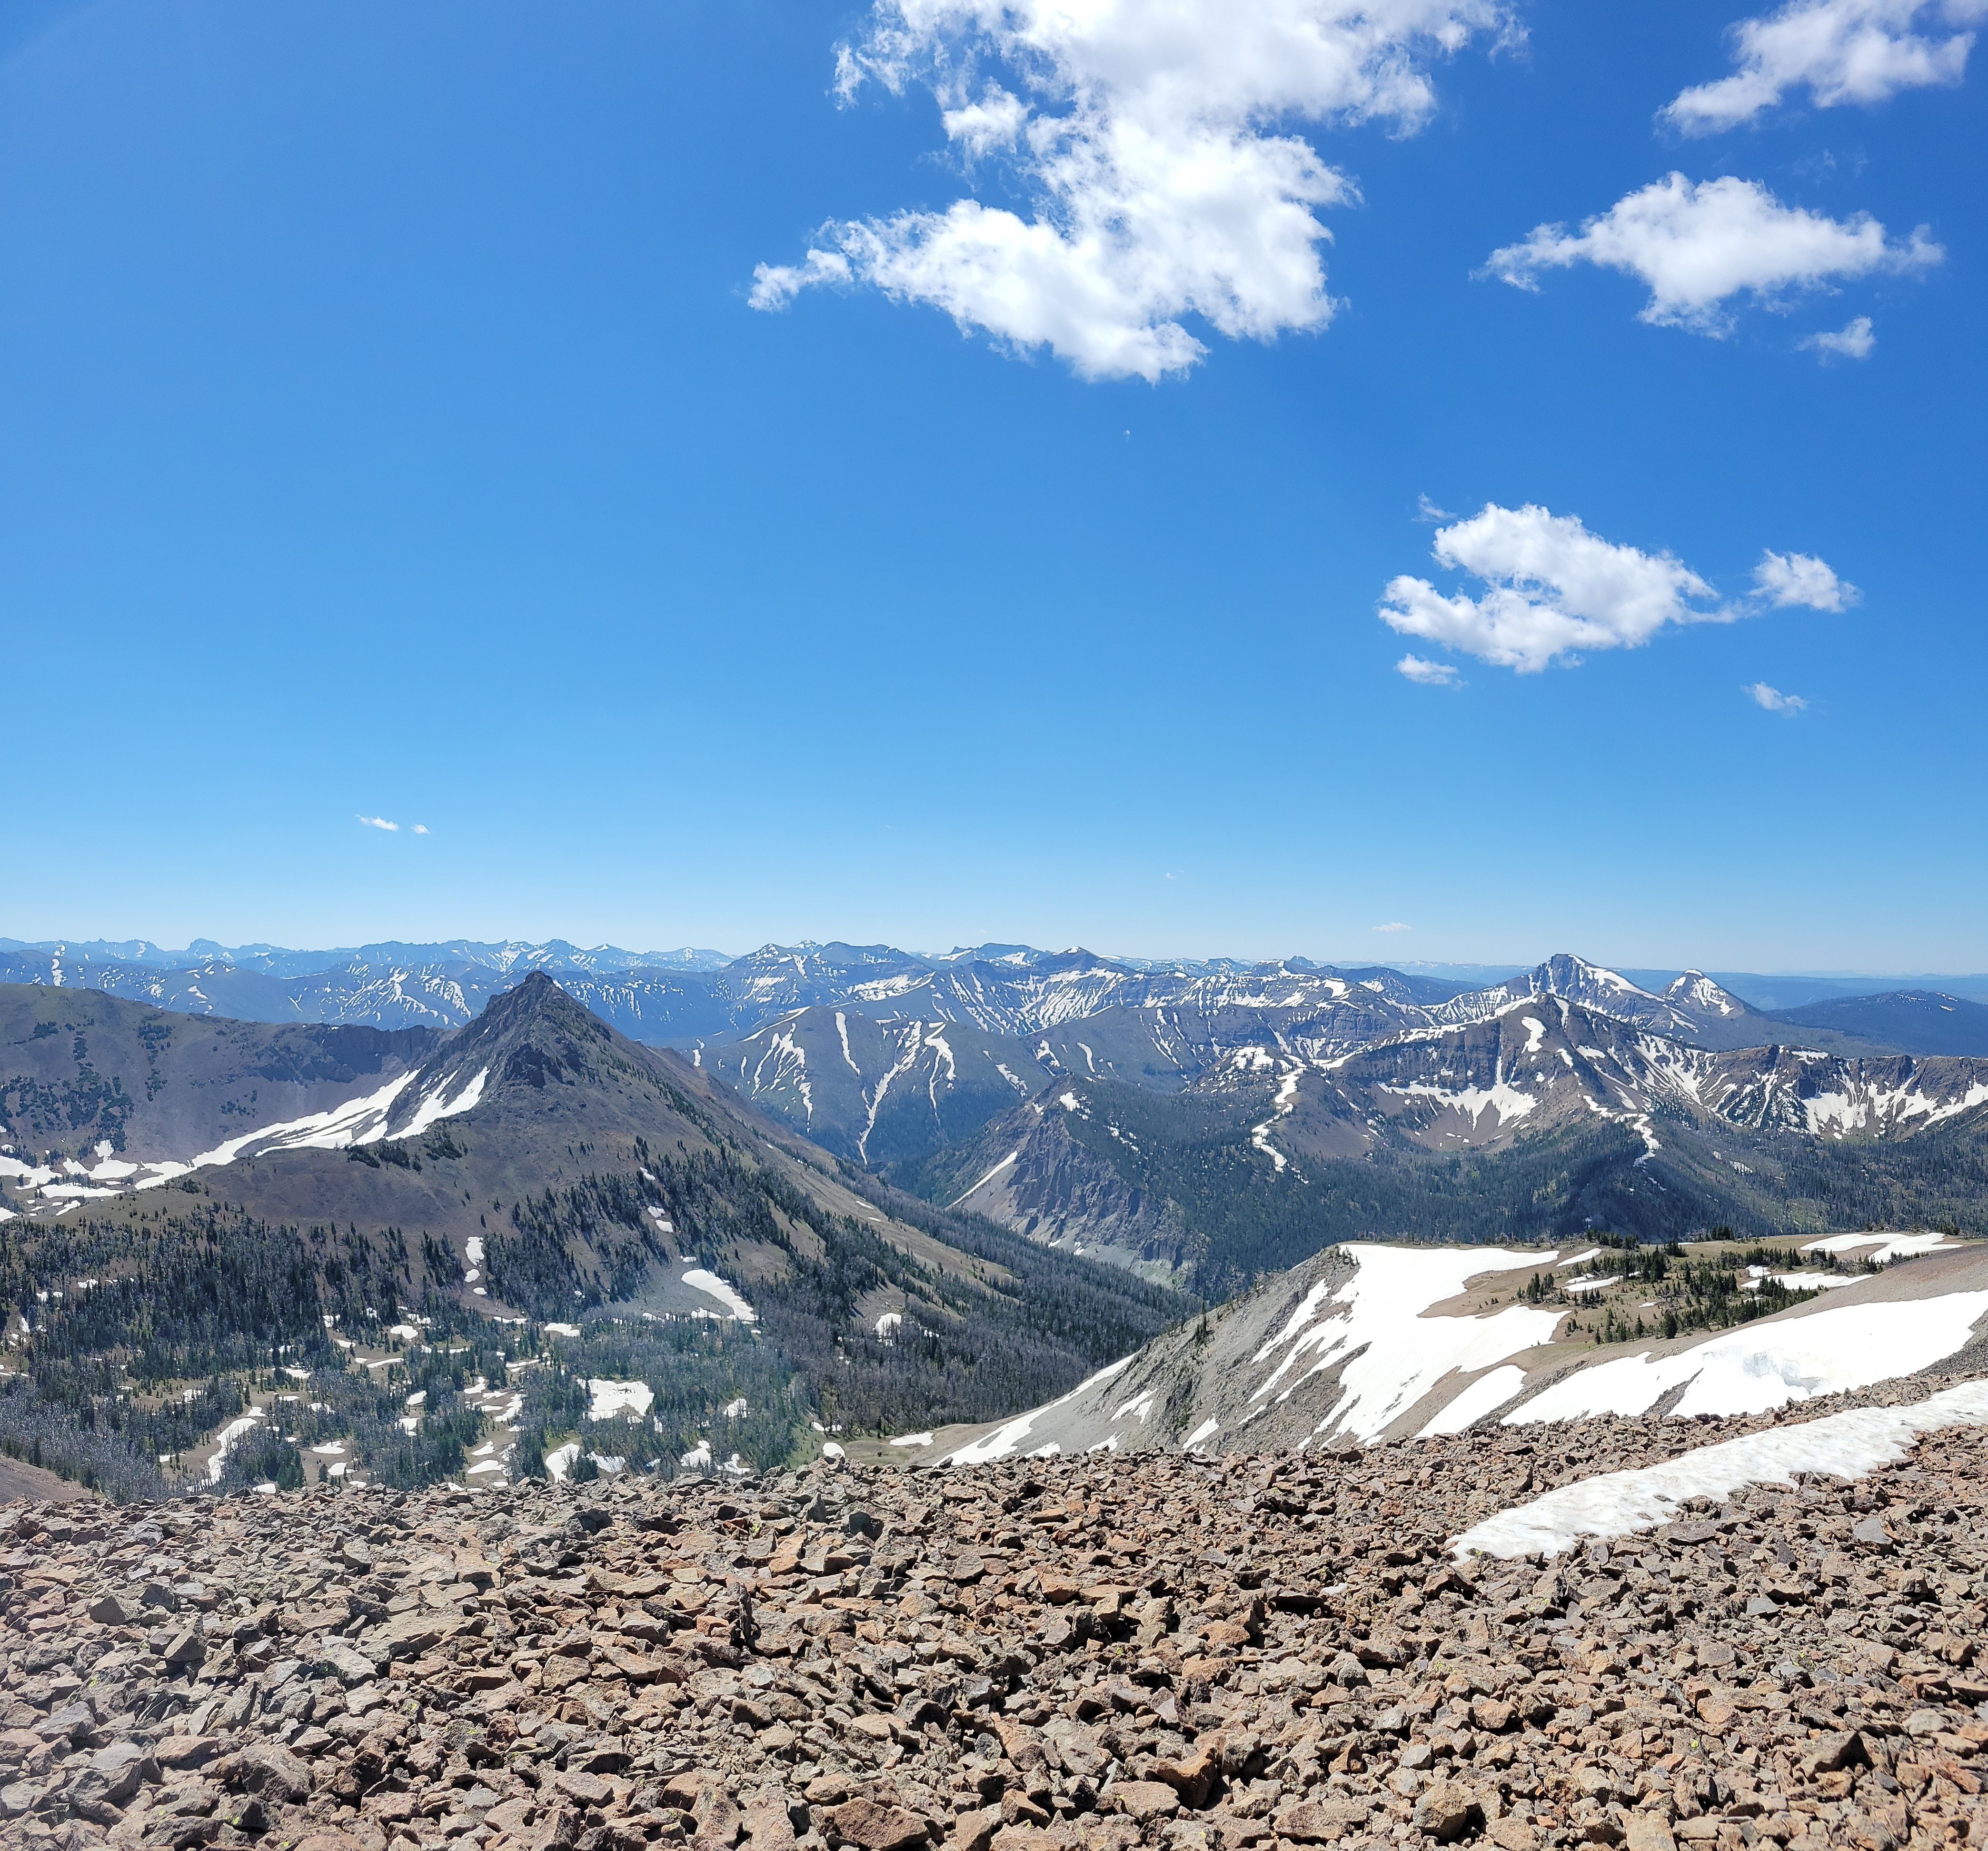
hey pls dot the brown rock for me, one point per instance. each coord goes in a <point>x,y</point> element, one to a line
<point>177,1752</point>
<point>975,1831</point>
<point>1828,1753</point>
<point>588,1789</point>
<point>768,1825</point>
<point>874,1824</point>
<point>1145,1799</point>
<point>716,1817</point>
<point>511,1815</point>
<point>1192,1776</point>
<point>1319,1822</point>
<point>1716,1713</point>
<point>272,1772</point>
<point>1446,1809</point>
<point>1650,1832</point>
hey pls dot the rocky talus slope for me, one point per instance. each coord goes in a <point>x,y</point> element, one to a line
<point>1103,1651</point>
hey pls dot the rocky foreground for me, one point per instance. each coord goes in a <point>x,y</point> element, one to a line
<point>1040,1656</point>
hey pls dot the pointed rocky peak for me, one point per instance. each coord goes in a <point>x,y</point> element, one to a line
<point>1695,991</point>
<point>1565,975</point>
<point>531,1035</point>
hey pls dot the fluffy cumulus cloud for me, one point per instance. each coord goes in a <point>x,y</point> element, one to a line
<point>1140,136</point>
<point>1554,591</point>
<point>1774,701</point>
<point>1697,246</point>
<point>380,822</point>
<point>1854,341</point>
<point>1838,51</point>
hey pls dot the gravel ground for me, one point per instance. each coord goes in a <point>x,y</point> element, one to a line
<point>1104,1651</point>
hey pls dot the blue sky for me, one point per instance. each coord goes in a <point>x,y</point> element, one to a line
<point>386,430</point>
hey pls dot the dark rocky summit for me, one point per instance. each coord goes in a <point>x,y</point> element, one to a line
<point>1040,1656</point>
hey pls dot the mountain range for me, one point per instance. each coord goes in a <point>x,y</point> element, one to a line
<point>189,1200</point>
<point>951,1190</point>
<point>1203,1123</point>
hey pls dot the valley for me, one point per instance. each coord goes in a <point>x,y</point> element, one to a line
<point>897,1196</point>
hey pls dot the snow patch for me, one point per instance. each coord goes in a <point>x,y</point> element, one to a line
<point>1482,1396</point>
<point>1849,1445</point>
<point>1393,1352</point>
<point>700,1279</point>
<point>1760,1367</point>
<point>606,1398</point>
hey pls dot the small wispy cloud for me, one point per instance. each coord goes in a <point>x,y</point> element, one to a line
<point>380,822</point>
<point>1394,925</point>
<point>1773,700</point>
<point>1429,675</point>
<point>420,829</point>
<point>1853,341</point>
<point>1426,510</point>
<point>1801,580</point>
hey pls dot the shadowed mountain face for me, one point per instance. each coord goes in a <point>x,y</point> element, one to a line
<point>90,1078</point>
<point>1916,1021</point>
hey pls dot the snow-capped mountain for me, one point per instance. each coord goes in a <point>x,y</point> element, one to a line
<point>1547,1118</point>
<point>1692,1007</point>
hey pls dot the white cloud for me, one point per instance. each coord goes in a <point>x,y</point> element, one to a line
<point>1773,700</point>
<point>420,829</point>
<point>1430,674</point>
<point>1698,244</point>
<point>378,822</point>
<point>1782,579</point>
<point>1842,51</point>
<point>1394,925</point>
<point>1555,589</point>
<point>1853,341</point>
<point>1141,135</point>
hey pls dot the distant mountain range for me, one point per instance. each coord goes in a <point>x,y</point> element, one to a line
<point>1203,1122</point>
<point>934,1190</point>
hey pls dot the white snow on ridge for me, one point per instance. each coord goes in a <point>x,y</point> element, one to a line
<point>1483,1395</point>
<point>984,1180</point>
<point>1004,1439</point>
<point>1848,1445</point>
<point>700,1279</point>
<point>1760,1367</point>
<point>1472,1102</point>
<point>1890,1246</point>
<point>437,1106</point>
<point>358,1121</point>
<point>1394,1353</point>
